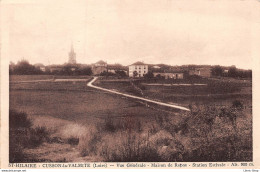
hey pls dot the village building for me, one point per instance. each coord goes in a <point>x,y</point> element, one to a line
<point>40,66</point>
<point>99,67</point>
<point>169,75</point>
<point>55,68</point>
<point>204,72</point>
<point>138,69</point>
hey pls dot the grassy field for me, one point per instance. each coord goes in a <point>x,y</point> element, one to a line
<point>215,92</point>
<point>84,124</point>
<point>41,77</point>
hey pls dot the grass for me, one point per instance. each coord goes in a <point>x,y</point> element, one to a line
<point>216,92</point>
<point>22,135</point>
<point>203,135</point>
<point>42,77</point>
<point>84,124</point>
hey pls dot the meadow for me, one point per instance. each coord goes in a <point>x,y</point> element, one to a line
<point>78,123</point>
<point>213,92</point>
<point>15,78</point>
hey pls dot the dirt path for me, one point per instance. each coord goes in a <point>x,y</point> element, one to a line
<point>90,84</point>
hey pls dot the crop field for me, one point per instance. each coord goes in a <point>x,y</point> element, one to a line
<point>78,123</point>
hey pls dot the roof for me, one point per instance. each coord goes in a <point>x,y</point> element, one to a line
<point>100,62</point>
<point>156,67</point>
<point>138,63</point>
<point>39,65</point>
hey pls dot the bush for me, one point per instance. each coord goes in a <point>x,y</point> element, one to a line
<point>22,135</point>
<point>37,136</point>
<point>237,104</point>
<point>19,120</point>
<point>73,141</point>
<point>88,142</point>
<point>120,124</point>
<point>204,134</point>
<point>130,147</point>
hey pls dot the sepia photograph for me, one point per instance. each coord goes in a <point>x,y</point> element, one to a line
<point>130,81</point>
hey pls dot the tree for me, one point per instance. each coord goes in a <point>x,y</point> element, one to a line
<point>232,72</point>
<point>120,73</point>
<point>135,74</point>
<point>66,70</point>
<point>11,67</point>
<point>149,75</point>
<point>217,71</point>
<point>83,71</point>
<point>23,67</point>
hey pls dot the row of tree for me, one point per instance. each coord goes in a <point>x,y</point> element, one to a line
<point>231,72</point>
<point>23,67</point>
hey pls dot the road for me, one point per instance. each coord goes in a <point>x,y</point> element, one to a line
<point>90,84</point>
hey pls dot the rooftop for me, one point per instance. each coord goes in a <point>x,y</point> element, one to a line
<point>100,62</point>
<point>138,63</point>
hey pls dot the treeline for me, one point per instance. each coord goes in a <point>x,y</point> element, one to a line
<point>118,73</point>
<point>23,67</point>
<point>71,70</point>
<point>231,72</point>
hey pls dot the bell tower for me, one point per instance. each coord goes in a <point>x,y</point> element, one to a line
<point>72,56</point>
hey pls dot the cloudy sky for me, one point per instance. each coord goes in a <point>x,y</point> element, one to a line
<point>173,32</point>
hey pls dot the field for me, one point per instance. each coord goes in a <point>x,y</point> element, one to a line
<point>15,78</point>
<point>213,92</point>
<point>84,124</point>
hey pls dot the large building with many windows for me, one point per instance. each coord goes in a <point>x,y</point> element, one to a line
<point>138,69</point>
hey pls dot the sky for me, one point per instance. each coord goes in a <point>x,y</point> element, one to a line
<point>174,32</point>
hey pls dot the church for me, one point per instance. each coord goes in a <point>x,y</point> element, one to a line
<point>72,56</point>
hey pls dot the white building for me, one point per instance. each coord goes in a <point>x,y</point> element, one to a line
<point>138,69</point>
<point>169,75</point>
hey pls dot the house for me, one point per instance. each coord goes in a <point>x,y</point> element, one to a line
<point>204,72</point>
<point>40,66</point>
<point>55,68</point>
<point>169,75</point>
<point>138,69</point>
<point>99,67</point>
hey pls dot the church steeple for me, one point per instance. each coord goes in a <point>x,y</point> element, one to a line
<point>72,56</point>
<point>71,49</point>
